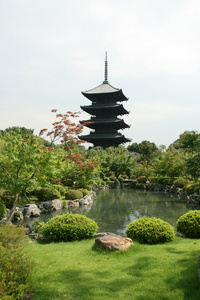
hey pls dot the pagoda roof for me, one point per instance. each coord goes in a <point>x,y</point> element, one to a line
<point>102,88</point>
<point>104,137</point>
<point>105,121</point>
<point>105,90</point>
<point>114,108</point>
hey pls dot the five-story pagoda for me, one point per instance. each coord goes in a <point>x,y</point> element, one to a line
<point>105,108</point>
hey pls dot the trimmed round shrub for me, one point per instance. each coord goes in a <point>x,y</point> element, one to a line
<point>168,181</point>
<point>112,178</point>
<point>180,183</point>
<point>2,209</point>
<point>142,179</point>
<point>45,194</point>
<point>61,189</point>
<point>189,224</point>
<point>73,194</point>
<point>120,178</point>
<point>85,192</point>
<point>124,176</point>
<point>160,180</point>
<point>37,225</point>
<point>150,231</point>
<point>68,227</point>
<point>192,188</point>
<point>153,179</point>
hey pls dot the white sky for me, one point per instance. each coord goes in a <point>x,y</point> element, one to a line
<point>51,50</point>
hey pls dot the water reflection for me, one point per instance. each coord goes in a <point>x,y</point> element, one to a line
<point>115,209</point>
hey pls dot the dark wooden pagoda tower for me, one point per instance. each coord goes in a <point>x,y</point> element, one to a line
<point>105,108</point>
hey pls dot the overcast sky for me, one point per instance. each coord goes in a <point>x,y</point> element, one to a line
<point>51,50</point>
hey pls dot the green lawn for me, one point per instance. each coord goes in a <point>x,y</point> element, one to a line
<point>80,270</point>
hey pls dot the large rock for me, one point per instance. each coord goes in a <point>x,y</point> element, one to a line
<point>57,204</point>
<point>47,205</point>
<point>31,210</point>
<point>51,205</point>
<point>73,203</point>
<point>112,241</point>
<point>86,200</point>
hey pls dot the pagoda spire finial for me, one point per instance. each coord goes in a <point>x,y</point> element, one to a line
<point>106,69</point>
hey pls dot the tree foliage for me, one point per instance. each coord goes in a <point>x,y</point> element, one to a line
<point>146,149</point>
<point>22,161</point>
<point>114,160</point>
<point>171,163</point>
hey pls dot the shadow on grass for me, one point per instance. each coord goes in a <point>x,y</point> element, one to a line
<point>187,279</point>
<point>140,275</point>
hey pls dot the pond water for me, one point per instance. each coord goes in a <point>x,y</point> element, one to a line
<point>113,210</point>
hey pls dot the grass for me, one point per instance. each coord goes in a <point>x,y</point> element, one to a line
<point>80,270</point>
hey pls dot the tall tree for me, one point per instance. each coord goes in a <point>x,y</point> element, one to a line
<point>146,149</point>
<point>22,162</point>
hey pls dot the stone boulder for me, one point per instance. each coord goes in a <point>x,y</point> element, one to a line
<point>46,205</point>
<point>113,241</point>
<point>73,203</point>
<point>86,200</point>
<point>57,204</point>
<point>31,210</point>
<point>93,195</point>
<point>51,205</point>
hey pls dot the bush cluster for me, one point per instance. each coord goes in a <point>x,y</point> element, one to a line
<point>160,180</point>
<point>192,188</point>
<point>168,181</point>
<point>189,224</point>
<point>142,179</point>
<point>124,176</point>
<point>61,189</point>
<point>85,192</point>
<point>73,194</point>
<point>112,178</point>
<point>153,179</point>
<point>46,194</point>
<point>15,266</point>
<point>180,183</point>
<point>150,231</point>
<point>68,227</point>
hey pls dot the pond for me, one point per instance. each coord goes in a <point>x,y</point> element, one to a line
<point>115,209</point>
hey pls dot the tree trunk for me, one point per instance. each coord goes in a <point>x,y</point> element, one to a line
<point>13,207</point>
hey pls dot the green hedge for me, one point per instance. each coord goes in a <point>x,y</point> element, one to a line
<point>15,266</point>
<point>73,194</point>
<point>150,231</point>
<point>142,179</point>
<point>192,188</point>
<point>46,194</point>
<point>189,224</point>
<point>85,192</point>
<point>68,227</point>
<point>168,181</point>
<point>180,183</point>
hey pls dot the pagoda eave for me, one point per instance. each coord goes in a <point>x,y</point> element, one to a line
<point>95,123</point>
<point>94,136</point>
<point>96,109</point>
